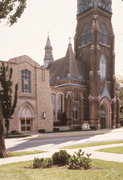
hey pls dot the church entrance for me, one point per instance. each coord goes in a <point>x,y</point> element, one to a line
<point>103,116</point>
<point>26,119</point>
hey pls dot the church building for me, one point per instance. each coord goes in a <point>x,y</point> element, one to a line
<point>77,91</point>
<point>83,84</point>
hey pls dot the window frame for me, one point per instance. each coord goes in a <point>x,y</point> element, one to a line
<point>103,67</point>
<point>85,35</point>
<point>26,81</point>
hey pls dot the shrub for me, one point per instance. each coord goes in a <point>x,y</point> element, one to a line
<point>42,163</point>
<point>37,162</point>
<point>14,132</point>
<point>80,160</point>
<point>60,158</point>
<point>47,163</point>
<point>121,122</point>
<point>41,130</point>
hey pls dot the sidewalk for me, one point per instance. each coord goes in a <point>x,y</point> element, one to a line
<point>94,154</point>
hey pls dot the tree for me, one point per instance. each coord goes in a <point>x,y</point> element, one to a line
<point>8,94</point>
<point>12,10</point>
<point>2,140</point>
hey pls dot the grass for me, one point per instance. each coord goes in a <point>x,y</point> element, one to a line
<point>93,144</point>
<point>103,171</point>
<point>22,153</point>
<point>117,150</point>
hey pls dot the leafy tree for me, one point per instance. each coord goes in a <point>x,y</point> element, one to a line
<point>12,10</point>
<point>7,97</point>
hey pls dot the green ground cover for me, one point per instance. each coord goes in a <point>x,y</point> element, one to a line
<point>93,144</point>
<point>117,150</point>
<point>22,153</point>
<point>103,170</point>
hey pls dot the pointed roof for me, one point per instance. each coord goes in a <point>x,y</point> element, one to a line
<point>67,68</point>
<point>48,57</point>
<point>105,92</point>
<point>72,65</point>
<point>48,44</point>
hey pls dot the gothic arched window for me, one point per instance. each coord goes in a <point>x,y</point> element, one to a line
<point>103,34</point>
<point>75,113</point>
<point>102,67</point>
<point>86,35</point>
<point>26,81</point>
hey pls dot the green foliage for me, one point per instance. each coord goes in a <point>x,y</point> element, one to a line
<point>47,163</point>
<point>60,158</point>
<point>7,97</point>
<point>121,95</point>
<point>42,163</point>
<point>37,162</point>
<point>12,10</point>
<point>80,160</point>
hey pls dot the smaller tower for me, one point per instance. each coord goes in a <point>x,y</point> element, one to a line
<point>48,58</point>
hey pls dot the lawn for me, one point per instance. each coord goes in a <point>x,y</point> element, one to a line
<point>93,144</point>
<point>117,150</point>
<point>103,171</point>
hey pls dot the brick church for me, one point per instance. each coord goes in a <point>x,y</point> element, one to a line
<point>83,84</point>
<point>77,91</point>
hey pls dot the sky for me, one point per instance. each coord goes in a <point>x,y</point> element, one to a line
<point>58,17</point>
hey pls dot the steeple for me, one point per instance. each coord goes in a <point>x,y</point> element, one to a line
<point>85,5</point>
<point>72,65</point>
<point>48,58</point>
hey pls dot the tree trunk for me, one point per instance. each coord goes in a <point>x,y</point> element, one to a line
<point>3,151</point>
<point>7,127</point>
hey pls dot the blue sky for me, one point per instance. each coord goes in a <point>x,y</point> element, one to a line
<point>28,36</point>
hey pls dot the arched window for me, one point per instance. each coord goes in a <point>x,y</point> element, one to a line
<point>102,67</point>
<point>59,106</point>
<point>53,100</point>
<point>103,34</point>
<point>86,35</point>
<point>75,113</point>
<point>103,116</point>
<point>26,81</point>
<point>102,111</point>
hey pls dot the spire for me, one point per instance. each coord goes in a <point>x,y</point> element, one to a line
<point>72,67</point>
<point>48,58</point>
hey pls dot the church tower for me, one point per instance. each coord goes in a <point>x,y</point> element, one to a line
<point>94,46</point>
<point>48,58</point>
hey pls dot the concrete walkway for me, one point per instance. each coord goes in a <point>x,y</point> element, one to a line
<point>94,154</point>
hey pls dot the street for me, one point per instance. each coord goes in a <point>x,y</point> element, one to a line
<point>56,140</point>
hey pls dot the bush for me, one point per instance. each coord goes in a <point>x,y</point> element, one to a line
<point>47,163</point>
<point>42,163</point>
<point>56,129</point>
<point>37,162</point>
<point>121,122</point>
<point>14,132</point>
<point>41,130</point>
<point>80,160</point>
<point>60,158</point>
